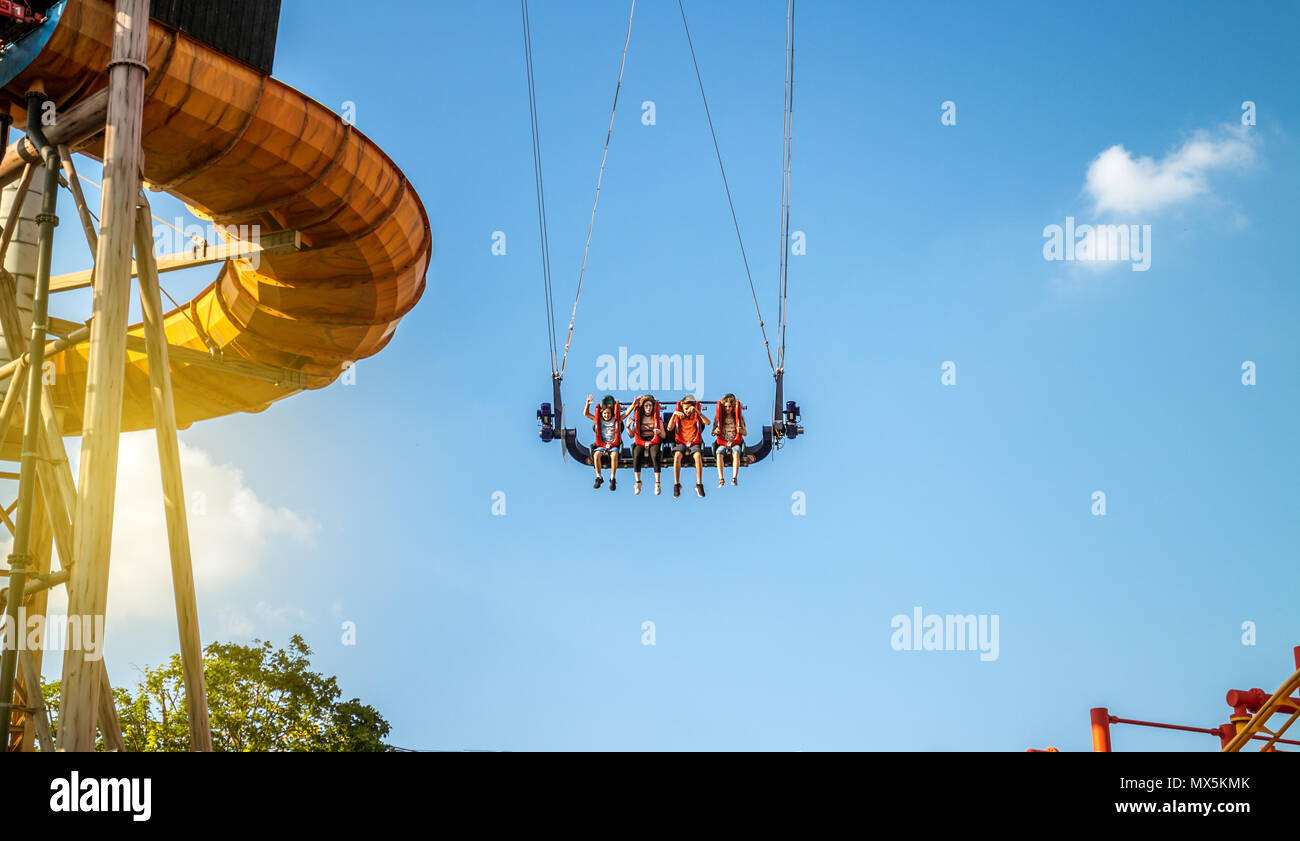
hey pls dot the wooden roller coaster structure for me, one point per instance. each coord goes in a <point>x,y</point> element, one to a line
<point>347,248</point>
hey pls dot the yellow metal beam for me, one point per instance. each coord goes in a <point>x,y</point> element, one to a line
<point>275,242</point>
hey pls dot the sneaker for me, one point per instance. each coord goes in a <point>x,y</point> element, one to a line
<point>699,489</point>
<point>677,490</point>
<point>599,481</point>
<point>658,489</point>
<point>637,490</point>
<point>720,482</point>
<point>613,483</point>
<point>733,480</point>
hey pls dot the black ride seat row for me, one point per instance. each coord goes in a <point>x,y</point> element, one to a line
<point>785,424</point>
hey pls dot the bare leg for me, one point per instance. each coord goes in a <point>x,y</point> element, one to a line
<point>735,466</point>
<point>595,459</point>
<point>677,468</point>
<point>720,466</point>
<point>699,468</point>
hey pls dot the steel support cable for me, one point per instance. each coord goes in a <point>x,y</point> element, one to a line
<point>541,198</point>
<point>564,361</point>
<point>735,221</point>
<point>785,185</point>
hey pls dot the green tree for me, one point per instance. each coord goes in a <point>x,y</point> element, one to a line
<point>259,699</point>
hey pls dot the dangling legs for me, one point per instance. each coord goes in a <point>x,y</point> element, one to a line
<point>677,472</point>
<point>718,459</point>
<point>699,472</point>
<point>595,459</point>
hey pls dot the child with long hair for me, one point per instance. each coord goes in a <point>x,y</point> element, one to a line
<point>647,429</point>
<point>729,430</point>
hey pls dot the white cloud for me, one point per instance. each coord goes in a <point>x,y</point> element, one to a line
<point>270,619</point>
<point>231,533</point>
<point>235,625</point>
<point>285,614</point>
<point>1118,182</point>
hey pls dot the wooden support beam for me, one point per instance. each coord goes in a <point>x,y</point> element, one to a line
<point>275,242</point>
<point>109,726</point>
<point>79,199</point>
<point>51,508</point>
<point>16,210</point>
<point>61,327</point>
<point>169,461</point>
<point>71,340</point>
<point>102,420</point>
<point>76,333</point>
<point>36,698</point>
<point>36,602</point>
<point>283,377</point>
<point>13,395</point>
<point>74,127</point>
<point>52,469</point>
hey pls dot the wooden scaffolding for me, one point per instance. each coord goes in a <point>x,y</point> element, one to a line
<point>53,509</point>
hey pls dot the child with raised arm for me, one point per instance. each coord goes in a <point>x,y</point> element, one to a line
<point>608,426</point>
<point>688,424</point>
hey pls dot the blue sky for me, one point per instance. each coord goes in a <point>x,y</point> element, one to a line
<point>373,502</point>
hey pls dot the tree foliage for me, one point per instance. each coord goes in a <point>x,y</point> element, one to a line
<point>259,699</point>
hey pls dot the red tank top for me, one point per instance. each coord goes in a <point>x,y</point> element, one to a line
<point>688,428</point>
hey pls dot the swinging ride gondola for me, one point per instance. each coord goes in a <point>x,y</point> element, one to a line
<point>785,418</point>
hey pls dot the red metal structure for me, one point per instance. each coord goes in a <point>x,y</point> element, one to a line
<point>19,12</point>
<point>1251,711</point>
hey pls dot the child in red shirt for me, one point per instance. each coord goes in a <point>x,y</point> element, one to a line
<point>688,424</point>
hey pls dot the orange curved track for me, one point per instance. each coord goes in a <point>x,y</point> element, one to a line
<point>247,149</point>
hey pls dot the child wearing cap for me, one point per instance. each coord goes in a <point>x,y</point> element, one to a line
<point>608,426</point>
<point>688,424</point>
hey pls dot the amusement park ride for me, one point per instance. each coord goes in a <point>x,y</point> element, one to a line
<point>785,419</point>
<point>1252,710</point>
<point>175,99</point>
